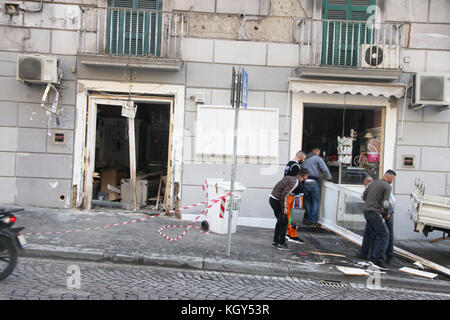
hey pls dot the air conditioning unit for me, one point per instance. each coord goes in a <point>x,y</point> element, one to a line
<point>432,89</point>
<point>378,56</point>
<point>37,69</point>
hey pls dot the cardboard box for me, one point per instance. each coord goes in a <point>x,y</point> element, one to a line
<point>112,177</point>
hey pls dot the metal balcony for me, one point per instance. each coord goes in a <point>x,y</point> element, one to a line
<point>119,34</point>
<point>346,43</point>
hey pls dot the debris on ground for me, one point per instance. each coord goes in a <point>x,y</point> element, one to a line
<point>353,271</point>
<point>419,273</point>
<point>418,264</point>
<point>327,254</point>
<point>363,264</point>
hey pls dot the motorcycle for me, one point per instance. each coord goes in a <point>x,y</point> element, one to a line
<point>11,242</point>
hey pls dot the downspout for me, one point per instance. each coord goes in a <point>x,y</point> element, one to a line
<point>407,86</point>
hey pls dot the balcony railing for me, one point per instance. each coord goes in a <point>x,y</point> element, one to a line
<point>130,32</point>
<point>346,43</point>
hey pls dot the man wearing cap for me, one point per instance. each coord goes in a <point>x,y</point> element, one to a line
<point>292,168</point>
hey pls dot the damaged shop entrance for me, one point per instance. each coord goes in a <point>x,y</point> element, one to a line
<point>128,153</point>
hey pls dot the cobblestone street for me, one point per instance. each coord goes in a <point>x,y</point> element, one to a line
<point>47,279</point>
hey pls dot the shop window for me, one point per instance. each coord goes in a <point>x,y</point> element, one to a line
<point>351,140</point>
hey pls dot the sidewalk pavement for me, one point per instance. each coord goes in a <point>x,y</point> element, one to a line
<point>251,249</point>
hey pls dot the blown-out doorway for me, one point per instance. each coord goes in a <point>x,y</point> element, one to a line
<point>128,155</point>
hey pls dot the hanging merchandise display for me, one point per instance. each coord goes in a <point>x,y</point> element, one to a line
<point>345,149</point>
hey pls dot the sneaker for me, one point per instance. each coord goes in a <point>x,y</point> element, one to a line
<point>296,239</point>
<point>283,247</point>
<point>379,265</point>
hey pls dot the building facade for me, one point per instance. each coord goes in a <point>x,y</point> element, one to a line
<point>318,70</point>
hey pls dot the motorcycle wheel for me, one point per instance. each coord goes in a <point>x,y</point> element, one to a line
<point>8,258</point>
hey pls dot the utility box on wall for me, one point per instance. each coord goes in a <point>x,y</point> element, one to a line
<point>408,161</point>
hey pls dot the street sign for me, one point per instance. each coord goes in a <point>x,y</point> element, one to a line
<point>233,88</point>
<point>129,110</point>
<point>244,88</point>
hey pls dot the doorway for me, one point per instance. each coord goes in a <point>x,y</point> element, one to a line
<point>351,139</point>
<point>131,154</point>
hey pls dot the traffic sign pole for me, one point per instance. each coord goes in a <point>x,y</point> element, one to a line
<point>237,102</point>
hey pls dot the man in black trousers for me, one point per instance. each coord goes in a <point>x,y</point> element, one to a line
<point>376,209</point>
<point>277,201</point>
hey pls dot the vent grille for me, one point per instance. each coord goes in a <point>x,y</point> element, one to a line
<point>432,88</point>
<point>30,68</point>
<point>333,284</point>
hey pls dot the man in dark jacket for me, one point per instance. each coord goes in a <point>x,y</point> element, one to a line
<point>277,201</point>
<point>376,209</point>
<point>316,166</point>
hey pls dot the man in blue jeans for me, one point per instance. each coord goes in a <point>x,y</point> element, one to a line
<point>316,166</point>
<point>377,210</point>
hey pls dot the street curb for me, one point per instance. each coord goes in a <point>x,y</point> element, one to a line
<point>315,272</point>
<point>71,253</point>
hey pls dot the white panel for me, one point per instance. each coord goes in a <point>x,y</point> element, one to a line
<point>257,131</point>
<point>240,52</point>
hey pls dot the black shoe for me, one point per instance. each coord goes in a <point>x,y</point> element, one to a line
<point>296,239</point>
<point>274,244</point>
<point>316,225</point>
<point>283,247</point>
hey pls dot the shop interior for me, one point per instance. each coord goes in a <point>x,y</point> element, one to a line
<point>111,186</point>
<point>358,155</point>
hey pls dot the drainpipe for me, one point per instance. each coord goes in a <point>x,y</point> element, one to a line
<point>407,86</point>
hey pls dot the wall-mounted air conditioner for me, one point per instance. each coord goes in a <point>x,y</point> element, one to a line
<point>37,69</point>
<point>432,89</point>
<point>380,56</point>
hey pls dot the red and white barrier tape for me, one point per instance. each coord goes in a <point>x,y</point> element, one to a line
<point>142,220</point>
<point>205,212</point>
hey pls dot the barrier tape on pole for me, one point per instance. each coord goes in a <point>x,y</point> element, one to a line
<point>139,220</point>
<point>205,212</point>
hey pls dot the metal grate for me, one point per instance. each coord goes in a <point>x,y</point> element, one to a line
<point>432,88</point>
<point>333,284</point>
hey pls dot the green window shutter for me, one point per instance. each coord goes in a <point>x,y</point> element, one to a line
<point>134,32</point>
<point>340,39</point>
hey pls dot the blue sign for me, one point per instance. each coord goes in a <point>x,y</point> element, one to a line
<point>244,88</point>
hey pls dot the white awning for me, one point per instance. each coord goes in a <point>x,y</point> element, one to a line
<point>346,87</point>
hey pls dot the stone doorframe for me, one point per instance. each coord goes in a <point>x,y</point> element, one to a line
<point>84,87</point>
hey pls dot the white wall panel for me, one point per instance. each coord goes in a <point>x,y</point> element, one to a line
<point>257,131</point>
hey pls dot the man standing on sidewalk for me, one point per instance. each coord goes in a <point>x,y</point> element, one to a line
<point>367,237</point>
<point>277,201</point>
<point>376,209</point>
<point>316,166</point>
<point>292,169</point>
